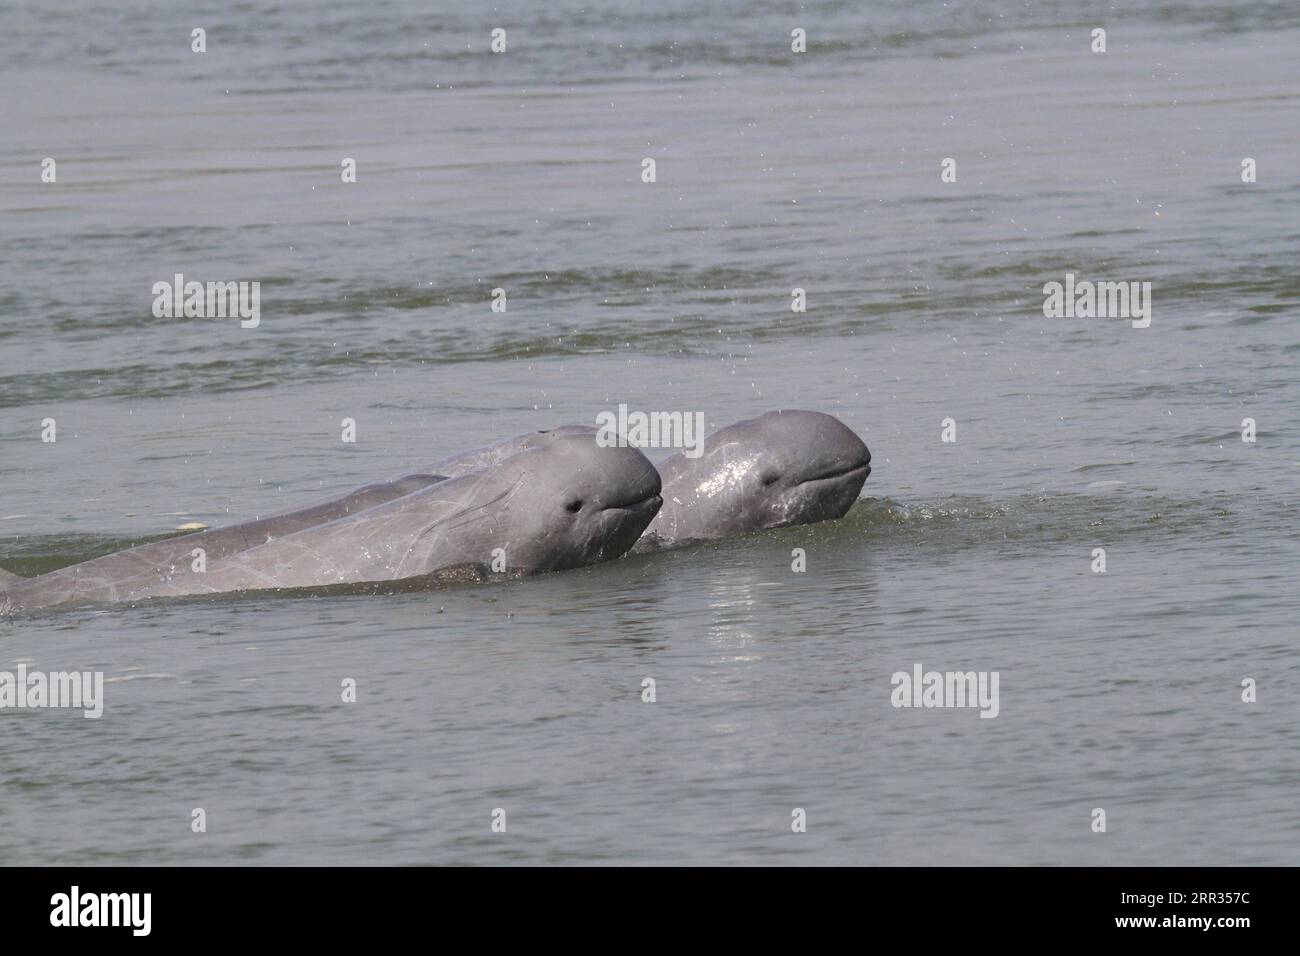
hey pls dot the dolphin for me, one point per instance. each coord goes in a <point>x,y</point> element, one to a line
<point>561,503</point>
<point>783,468</point>
<point>223,542</point>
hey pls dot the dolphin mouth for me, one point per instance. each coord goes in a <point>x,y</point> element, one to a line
<point>649,503</point>
<point>862,468</point>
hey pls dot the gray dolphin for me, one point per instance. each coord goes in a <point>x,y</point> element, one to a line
<point>783,468</point>
<point>223,542</point>
<point>562,503</point>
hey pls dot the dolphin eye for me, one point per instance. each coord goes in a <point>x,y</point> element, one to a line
<point>574,506</point>
<point>769,478</point>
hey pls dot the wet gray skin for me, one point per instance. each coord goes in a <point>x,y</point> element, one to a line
<point>562,504</point>
<point>781,468</point>
<point>220,542</point>
<point>495,453</point>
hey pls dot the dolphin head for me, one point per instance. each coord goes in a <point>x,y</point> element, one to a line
<point>782,468</point>
<point>577,502</point>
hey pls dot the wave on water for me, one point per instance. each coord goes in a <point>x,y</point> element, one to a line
<point>692,314</point>
<point>394,45</point>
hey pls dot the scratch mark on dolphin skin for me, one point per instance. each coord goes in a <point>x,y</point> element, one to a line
<point>460,519</point>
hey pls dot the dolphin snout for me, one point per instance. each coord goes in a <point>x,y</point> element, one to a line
<point>638,485</point>
<point>851,460</point>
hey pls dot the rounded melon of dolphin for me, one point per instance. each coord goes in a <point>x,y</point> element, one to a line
<point>498,451</point>
<point>563,504</point>
<point>783,468</point>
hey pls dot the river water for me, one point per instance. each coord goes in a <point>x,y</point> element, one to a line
<point>774,171</point>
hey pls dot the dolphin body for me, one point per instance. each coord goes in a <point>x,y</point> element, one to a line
<point>556,504</point>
